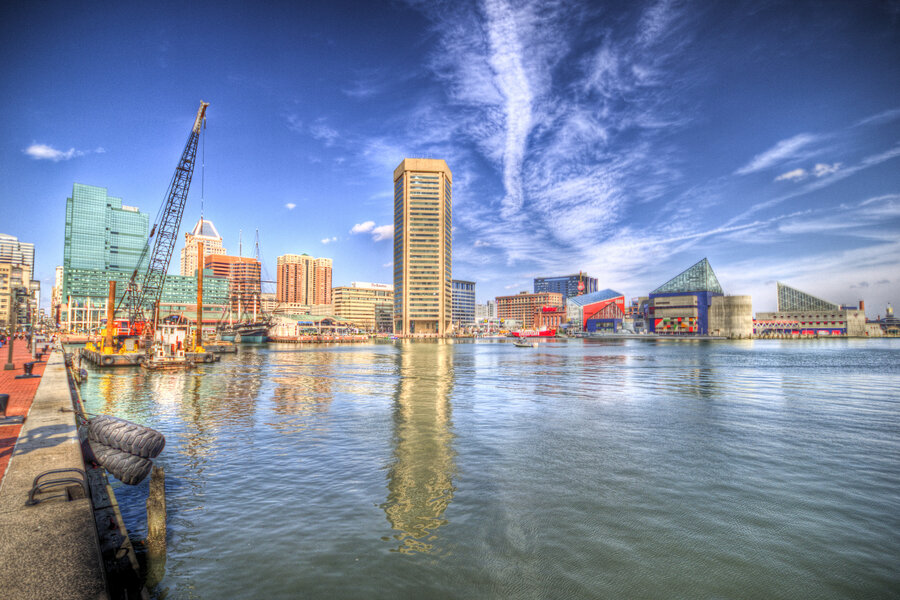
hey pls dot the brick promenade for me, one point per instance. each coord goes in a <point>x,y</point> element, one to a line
<point>21,394</point>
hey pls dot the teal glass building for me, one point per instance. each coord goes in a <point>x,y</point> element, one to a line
<point>104,240</point>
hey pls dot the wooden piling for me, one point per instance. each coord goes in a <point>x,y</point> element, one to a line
<point>156,528</point>
<point>156,511</point>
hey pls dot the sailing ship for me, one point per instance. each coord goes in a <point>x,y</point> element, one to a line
<point>255,330</point>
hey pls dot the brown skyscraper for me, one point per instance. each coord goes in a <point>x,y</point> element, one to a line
<point>423,247</point>
<point>243,278</point>
<point>303,279</point>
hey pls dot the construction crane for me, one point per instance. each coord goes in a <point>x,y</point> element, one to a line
<point>164,236</point>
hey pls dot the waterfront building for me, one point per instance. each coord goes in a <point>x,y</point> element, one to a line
<point>549,317</point>
<point>204,231</point>
<point>268,302</point>
<point>693,303</point>
<point>56,295</point>
<point>6,295</point>
<point>365,305</point>
<point>890,325</point>
<point>488,310</point>
<point>303,279</point>
<point>598,311</point>
<point>521,307</point>
<point>295,308</point>
<point>104,241</point>
<point>463,305</point>
<point>101,233</point>
<point>423,247</point>
<point>19,258</point>
<point>87,310</point>
<point>567,285</point>
<point>800,313</point>
<point>15,252</point>
<point>244,281</point>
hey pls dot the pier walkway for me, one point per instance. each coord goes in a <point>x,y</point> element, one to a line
<point>50,549</point>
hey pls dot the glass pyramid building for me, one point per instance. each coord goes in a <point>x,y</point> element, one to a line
<point>792,299</point>
<point>698,278</point>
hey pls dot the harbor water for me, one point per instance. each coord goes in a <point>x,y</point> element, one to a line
<point>577,469</point>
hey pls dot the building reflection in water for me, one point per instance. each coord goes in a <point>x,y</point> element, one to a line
<point>420,484</point>
<point>303,388</point>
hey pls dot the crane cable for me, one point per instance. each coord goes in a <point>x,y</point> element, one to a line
<point>202,167</point>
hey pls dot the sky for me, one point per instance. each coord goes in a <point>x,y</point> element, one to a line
<point>628,140</point>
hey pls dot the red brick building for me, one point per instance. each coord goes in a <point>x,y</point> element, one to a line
<point>523,306</point>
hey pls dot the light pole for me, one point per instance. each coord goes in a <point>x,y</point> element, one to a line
<point>13,308</point>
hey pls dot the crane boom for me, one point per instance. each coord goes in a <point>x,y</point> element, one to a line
<point>147,295</point>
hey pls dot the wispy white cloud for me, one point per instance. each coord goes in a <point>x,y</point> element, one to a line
<point>329,240</point>
<point>294,123</point>
<point>881,118</point>
<point>511,79</point>
<point>320,131</point>
<point>481,244</point>
<point>364,227</point>
<point>780,152</point>
<point>795,175</point>
<point>379,233</point>
<point>45,152</point>
<point>383,232</point>
<point>290,206</point>
<point>821,169</point>
<point>656,22</point>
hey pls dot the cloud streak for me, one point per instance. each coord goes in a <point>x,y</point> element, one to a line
<point>45,152</point>
<point>780,152</point>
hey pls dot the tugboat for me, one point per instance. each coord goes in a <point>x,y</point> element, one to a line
<point>159,359</point>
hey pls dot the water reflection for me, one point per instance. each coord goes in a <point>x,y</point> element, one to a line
<point>303,388</point>
<point>420,484</point>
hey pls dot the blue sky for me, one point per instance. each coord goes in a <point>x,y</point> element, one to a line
<point>625,139</point>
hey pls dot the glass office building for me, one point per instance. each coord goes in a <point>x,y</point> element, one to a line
<point>463,302</point>
<point>567,285</point>
<point>104,240</point>
<point>101,234</point>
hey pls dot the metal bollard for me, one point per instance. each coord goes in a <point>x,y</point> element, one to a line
<point>4,401</point>
<point>29,367</point>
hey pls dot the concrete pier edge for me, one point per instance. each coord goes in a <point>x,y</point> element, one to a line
<point>52,549</point>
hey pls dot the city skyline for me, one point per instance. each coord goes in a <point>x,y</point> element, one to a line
<point>625,142</point>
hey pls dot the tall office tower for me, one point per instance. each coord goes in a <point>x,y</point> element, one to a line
<point>204,231</point>
<point>423,247</point>
<point>103,240</point>
<point>302,279</point>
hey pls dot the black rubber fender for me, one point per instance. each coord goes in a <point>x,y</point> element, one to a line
<point>209,357</point>
<point>107,360</point>
<point>127,468</point>
<point>126,436</point>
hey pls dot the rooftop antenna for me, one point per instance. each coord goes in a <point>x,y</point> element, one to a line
<point>240,243</point>
<point>257,243</point>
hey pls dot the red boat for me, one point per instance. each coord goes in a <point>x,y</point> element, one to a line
<point>533,333</point>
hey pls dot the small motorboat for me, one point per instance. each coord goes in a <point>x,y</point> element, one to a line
<point>523,343</point>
